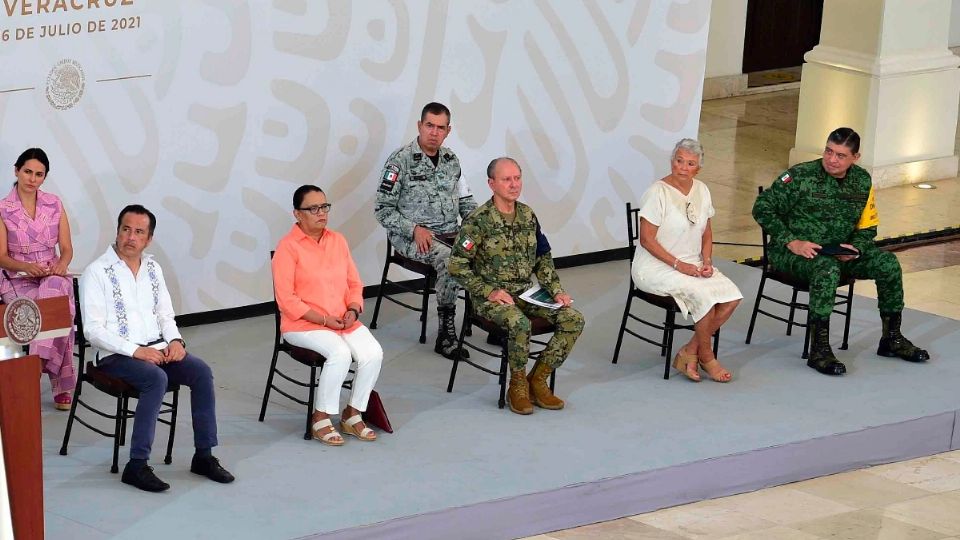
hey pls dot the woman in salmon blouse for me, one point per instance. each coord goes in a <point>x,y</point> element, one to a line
<point>33,227</point>
<point>320,297</point>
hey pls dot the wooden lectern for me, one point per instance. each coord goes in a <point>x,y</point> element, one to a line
<point>20,420</point>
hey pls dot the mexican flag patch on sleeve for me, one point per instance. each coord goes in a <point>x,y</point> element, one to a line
<point>467,244</point>
<point>785,178</point>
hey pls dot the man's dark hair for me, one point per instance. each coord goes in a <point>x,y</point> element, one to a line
<point>301,192</point>
<point>139,210</point>
<point>847,137</point>
<point>435,108</point>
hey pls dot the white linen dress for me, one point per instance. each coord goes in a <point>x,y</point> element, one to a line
<point>672,211</point>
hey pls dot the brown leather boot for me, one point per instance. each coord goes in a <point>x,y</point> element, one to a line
<point>539,389</point>
<point>518,394</point>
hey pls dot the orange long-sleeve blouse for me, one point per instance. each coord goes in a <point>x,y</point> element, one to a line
<point>321,276</point>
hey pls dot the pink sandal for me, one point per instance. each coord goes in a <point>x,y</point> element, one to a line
<point>62,401</point>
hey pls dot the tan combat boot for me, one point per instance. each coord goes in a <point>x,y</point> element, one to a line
<point>540,390</point>
<point>518,394</point>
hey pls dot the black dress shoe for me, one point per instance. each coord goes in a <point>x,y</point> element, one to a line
<point>142,477</point>
<point>211,468</point>
<point>828,367</point>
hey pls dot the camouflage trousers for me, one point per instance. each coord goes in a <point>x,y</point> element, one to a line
<point>823,274</point>
<point>568,321</point>
<point>436,257</point>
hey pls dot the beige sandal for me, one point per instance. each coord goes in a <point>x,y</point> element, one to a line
<point>349,426</point>
<point>330,437</point>
<point>716,371</point>
<point>681,362</point>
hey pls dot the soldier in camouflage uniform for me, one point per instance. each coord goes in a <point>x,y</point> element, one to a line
<point>499,247</point>
<point>830,202</point>
<point>420,197</point>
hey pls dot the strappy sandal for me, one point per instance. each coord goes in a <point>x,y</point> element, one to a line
<point>716,371</point>
<point>327,438</point>
<point>349,426</point>
<point>682,361</point>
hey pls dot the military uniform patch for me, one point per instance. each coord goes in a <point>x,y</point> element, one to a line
<point>467,244</point>
<point>391,173</point>
<point>785,178</point>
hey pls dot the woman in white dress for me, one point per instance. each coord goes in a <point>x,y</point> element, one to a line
<point>674,258</point>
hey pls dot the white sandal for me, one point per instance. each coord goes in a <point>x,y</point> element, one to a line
<point>327,438</point>
<point>349,427</point>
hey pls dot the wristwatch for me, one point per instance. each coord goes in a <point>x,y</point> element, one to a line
<point>182,342</point>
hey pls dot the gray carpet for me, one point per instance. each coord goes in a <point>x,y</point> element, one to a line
<point>459,467</point>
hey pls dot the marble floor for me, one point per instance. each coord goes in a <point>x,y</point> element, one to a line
<point>747,140</point>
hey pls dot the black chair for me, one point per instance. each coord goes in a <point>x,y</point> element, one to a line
<point>117,388</point>
<point>794,305</point>
<point>538,327</point>
<point>309,358</point>
<point>666,303</point>
<point>424,287</point>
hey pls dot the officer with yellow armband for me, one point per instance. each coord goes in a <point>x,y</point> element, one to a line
<point>828,205</point>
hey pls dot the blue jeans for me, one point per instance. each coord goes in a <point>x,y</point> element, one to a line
<point>151,381</point>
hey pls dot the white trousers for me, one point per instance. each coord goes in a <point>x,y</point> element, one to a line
<point>359,345</point>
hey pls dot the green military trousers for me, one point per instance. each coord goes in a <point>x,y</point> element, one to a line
<point>823,273</point>
<point>514,319</point>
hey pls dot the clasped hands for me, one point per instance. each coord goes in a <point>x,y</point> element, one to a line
<point>174,352</point>
<point>808,250</point>
<point>695,271</point>
<point>38,270</point>
<point>500,296</point>
<point>344,321</point>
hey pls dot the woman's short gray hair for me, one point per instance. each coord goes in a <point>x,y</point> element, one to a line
<point>690,145</point>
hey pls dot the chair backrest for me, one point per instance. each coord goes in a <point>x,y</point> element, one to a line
<point>276,307</point>
<point>764,240</point>
<point>633,228</point>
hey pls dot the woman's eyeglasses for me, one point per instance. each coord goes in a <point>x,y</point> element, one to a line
<point>317,208</point>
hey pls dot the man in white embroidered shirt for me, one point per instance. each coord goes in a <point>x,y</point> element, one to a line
<point>128,319</point>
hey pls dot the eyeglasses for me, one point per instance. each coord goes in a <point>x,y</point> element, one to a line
<point>691,213</point>
<point>317,208</point>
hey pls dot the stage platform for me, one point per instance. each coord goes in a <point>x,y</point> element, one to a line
<point>459,467</point>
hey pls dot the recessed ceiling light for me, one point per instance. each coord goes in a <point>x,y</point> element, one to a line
<point>925,186</point>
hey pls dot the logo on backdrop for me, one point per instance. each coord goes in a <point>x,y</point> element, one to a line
<point>22,320</point>
<point>65,84</point>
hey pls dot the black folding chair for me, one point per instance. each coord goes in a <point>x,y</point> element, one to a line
<point>423,287</point>
<point>667,303</point>
<point>793,305</point>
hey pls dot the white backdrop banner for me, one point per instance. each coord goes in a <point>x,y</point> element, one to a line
<point>212,112</point>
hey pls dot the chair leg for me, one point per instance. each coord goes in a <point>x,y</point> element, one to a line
<point>793,310</point>
<point>623,326</point>
<point>311,394</point>
<point>504,367</point>
<point>116,435</point>
<point>383,284</point>
<point>456,357</point>
<point>174,407</point>
<point>667,344</point>
<point>716,343</point>
<point>266,391</point>
<point>123,421</point>
<point>846,323</point>
<point>806,339</point>
<point>73,414</point>
<point>756,309</point>
<point>553,380</point>
<point>424,305</point>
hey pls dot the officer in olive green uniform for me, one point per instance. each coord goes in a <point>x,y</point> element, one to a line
<point>420,197</point>
<point>498,249</point>
<point>830,202</point>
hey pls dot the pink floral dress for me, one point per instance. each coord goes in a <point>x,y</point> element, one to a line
<point>34,240</point>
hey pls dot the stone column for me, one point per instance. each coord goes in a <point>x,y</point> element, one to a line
<point>883,67</point>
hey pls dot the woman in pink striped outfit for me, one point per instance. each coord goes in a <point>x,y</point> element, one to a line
<point>33,224</point>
